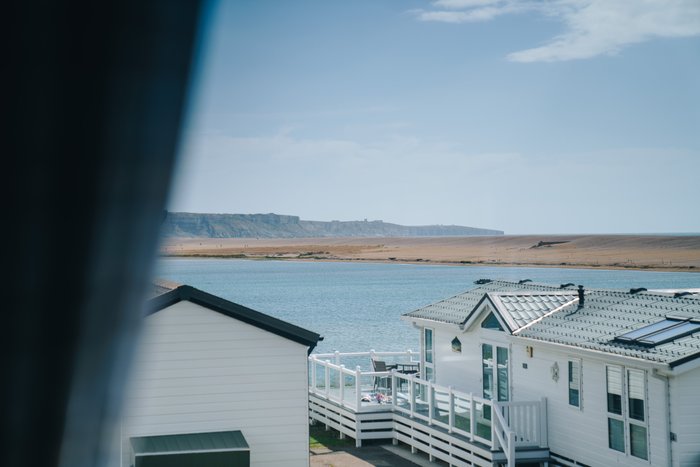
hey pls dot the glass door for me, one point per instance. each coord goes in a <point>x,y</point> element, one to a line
<point>494,367</point>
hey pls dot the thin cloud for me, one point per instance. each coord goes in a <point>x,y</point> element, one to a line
<point>471,16</point>
<point>593,27</point>
<point>462,4</point>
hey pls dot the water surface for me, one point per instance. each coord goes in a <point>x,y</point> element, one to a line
<point>356,306</point>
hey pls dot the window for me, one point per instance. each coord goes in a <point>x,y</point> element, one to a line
<point>494,378</point>
<point>660,332</point>
<point>428,345</point>
<point>636,390</point>
<point>491,322</point>
<point>575,383</point>
<point>487,370</point>
<point>428,354</point>
<point>627,420</point>
<point>616,425</point>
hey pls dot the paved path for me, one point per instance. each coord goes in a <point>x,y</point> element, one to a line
<point>368,456</point>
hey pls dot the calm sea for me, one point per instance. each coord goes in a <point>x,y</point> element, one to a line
<point>356,306</point>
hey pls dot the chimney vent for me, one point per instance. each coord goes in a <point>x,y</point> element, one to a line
<point>581,297</point>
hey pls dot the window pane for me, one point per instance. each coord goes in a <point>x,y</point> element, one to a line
<point>614,384</point>
<point>429,345</point>
<point>502,362</point>
<point>669,334</point>
<point>574,383</point>
<point>638,441</point>
<point>648,329</point>
<point>636,390</point>
<point>491,322</point>
<point>616,435</point>
<point>429,373</point>
<point>487,370</point>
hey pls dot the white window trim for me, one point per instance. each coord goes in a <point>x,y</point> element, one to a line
<point>494,345</point>
<point>625,418</point>
<point>580,383</point>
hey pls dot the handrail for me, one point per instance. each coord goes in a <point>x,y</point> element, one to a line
<point>511,425</point>
<point>499,428</point>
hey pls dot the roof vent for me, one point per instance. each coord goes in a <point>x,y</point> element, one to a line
<point>524,280</point>
<point>637,290</point>
<point>563,286</point>
<point>681,294</point>
<point>482,281</point>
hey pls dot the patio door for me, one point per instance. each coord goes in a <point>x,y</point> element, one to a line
<point>494,367</point>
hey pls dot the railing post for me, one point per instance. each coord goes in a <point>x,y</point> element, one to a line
<point>544,441</point>
<point>495,444</point>
<point>511,448</point>
<point>313,373</point>
<point>327,374</point>
<point>430,403</point>
<point>412,394</point>
<point>341,383</point>
<point>337,357</point>
<point>472,417</point>
<point>393,386</point>
<point>451,413</point>
<point>358,387</point>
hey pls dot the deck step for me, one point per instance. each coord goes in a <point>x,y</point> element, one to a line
<point>437,442</point>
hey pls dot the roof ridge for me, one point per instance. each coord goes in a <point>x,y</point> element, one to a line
<point>234,310</point>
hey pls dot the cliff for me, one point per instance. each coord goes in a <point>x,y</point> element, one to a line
<point>186,224</point>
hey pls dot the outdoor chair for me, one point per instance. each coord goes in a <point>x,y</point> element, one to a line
<point>383,382</point>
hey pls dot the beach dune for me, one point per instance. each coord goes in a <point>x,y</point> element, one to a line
<point>664,252</point>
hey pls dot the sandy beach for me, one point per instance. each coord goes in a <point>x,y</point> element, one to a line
<point>671,253</point>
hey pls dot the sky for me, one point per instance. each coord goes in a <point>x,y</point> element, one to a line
<point>561,116</point>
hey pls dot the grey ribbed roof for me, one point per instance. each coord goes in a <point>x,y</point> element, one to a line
<point>189,443</point>
<point>160,287</point>
<point>521,309</point>
<point>457,309</point>
<point>605,315</point>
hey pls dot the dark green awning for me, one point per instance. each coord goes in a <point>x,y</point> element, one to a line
<point>220,441</point>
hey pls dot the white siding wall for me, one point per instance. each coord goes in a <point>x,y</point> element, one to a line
<point>583,434</point>
<point>198,370</point>
<point>685,418</point>
<point>462,370</point>
<point>578,434</point>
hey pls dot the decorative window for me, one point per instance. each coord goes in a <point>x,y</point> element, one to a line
<point>456,345</point>
<point>627,421</point>
<point>575,383</point>
<point>491,322</point>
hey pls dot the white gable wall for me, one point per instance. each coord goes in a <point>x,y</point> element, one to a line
<point>198,370</point>
<point>685,418</point>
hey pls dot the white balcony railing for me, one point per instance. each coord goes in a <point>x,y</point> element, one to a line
<point>499,425</point>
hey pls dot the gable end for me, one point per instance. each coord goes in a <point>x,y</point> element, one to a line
<point>233,310</point>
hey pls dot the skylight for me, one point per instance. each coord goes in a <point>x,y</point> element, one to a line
<point>660,332</point>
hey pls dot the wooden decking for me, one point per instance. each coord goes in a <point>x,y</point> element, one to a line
<point>458,428</point>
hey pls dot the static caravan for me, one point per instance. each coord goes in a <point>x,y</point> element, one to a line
<point>216,383</point>
<point>619,370</point>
